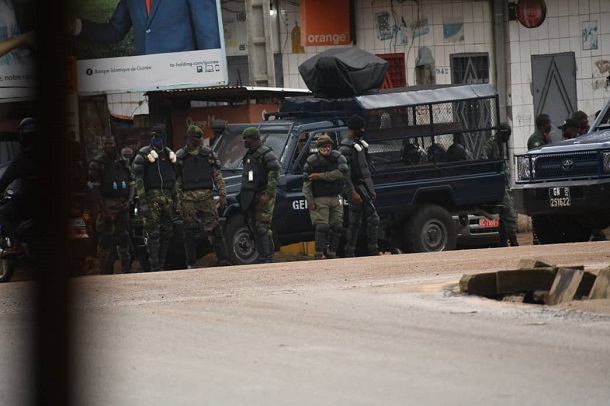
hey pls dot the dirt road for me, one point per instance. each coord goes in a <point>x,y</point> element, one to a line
<point>386,330</point>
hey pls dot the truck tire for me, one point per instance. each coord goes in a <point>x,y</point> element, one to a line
<point>241,246</point>
<point>430,229</point>
<point>560,229</point>
<point>7,269</point>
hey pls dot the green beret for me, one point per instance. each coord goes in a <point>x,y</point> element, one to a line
<point>194,130</point>
<point>251,132</point>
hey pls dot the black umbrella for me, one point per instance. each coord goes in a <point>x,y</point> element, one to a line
<point>343,72</point>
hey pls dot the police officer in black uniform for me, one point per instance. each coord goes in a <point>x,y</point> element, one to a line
<point>359,187</point>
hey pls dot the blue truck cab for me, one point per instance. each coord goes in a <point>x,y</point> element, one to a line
<point>565,186</point>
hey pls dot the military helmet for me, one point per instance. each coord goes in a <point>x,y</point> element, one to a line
<point>324,139</point>
<point>28,130</point>
<point>251,132</point>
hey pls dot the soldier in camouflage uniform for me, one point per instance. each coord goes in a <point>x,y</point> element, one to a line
<point>359,187</point>
<point>198,172</point>
<point>508,216</point>
<point>112,185</point>
<point>322,188</point>
<point>154,170</point>
<point>261,172</point>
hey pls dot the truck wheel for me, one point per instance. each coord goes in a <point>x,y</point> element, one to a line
<point>430,229</point>
<point>7,269</point>
<point>560,229</point>
<point>240,243</point>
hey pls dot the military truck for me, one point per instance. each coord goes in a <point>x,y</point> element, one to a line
<point>425,145</point>
<point>565,186</point>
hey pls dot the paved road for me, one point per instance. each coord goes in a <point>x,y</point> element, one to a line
<point>375,331</point>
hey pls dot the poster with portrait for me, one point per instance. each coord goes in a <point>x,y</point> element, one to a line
<point>141,45</point>
<point>17,51</point>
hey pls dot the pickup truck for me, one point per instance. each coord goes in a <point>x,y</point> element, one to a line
<point>565,186</point>
<point>424,192</point>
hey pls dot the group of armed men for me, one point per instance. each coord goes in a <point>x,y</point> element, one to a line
<point>166,183</point>
<point>183,183</point>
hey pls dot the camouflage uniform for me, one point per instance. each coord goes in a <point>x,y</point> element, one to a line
<point>508,215</point>
<point>196,198</point>
<point>157,188</point>
<point>260,176</point>
<point>323,192</point>
<point>113,179</point>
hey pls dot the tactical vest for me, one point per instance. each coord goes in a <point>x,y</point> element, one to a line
<point>159,174</point>
<point>196,170</point>
<point>322,164</point>
<point>254,176</point>
<point>115,179</point>
<point>358,162</point>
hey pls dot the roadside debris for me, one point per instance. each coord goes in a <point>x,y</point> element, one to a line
<point>537,281</point>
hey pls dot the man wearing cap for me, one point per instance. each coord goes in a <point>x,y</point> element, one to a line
<point>569,129</point>
<point>261,172</point>
<point>508,216</point>
<point>154,170</point>
<point>198,172</point>
<point>322,188</point>
<point>359,187</point>
<point>112,186</point>
<point>583,121</point>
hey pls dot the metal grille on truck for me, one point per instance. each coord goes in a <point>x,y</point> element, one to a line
<point>575,164</point>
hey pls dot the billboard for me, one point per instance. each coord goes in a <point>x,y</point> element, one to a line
<point>142,45</point>
<point>17,46</point>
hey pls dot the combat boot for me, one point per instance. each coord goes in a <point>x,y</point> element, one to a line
<point>512,239</point>
<point>502,235</point>
<point>319,255</point>
<point>220,247</point>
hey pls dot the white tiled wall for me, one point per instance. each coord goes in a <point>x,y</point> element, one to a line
<point>478,35</point>
<point>561,32</point>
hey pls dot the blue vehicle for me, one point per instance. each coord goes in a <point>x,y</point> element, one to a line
<point>424,192</point>
<point>565,186</point>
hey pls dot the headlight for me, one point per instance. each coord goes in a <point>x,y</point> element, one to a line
<point>606,161</point>
<point>523,168</point>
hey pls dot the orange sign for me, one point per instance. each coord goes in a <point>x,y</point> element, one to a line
<point>324,25</point>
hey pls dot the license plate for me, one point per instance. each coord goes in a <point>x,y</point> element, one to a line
<point>560,197</point>
<point>489,223</point>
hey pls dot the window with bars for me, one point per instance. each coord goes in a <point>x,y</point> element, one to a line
<point>396,75</point>
<point>470,68</point>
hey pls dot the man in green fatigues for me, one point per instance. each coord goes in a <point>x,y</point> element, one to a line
<point>508,216</point>
<point>198,172</point>
<point>542,135</point>
<point>323,185</point>
<point>112,185</point>
<point>261,172</point>
<point>154,170</point>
